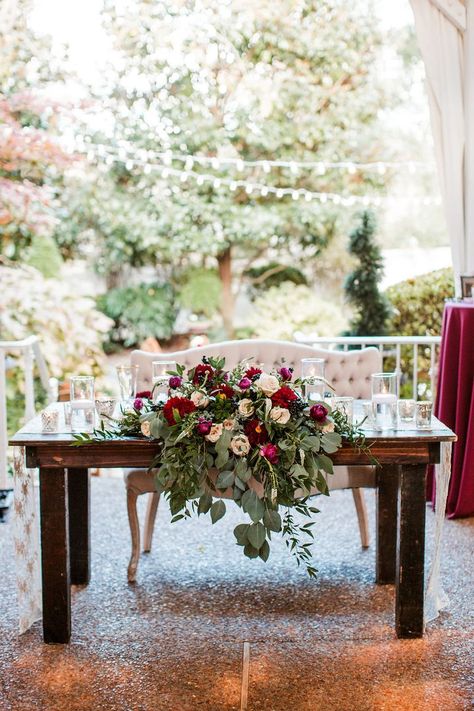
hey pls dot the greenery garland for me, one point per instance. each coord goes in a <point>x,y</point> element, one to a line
<point>246,435</point>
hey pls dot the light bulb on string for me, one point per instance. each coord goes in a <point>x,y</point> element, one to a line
<point>293,168</point>
<point>295,194</point>
<point>200,180</point>
<point>264,191</point>
<point>351,169</point>
<point>215,163</point>
<point>189,163</point>
<point>381,169</point>
<point>183,177</point>
<point>308,197</point>
<point>321,169</point>
<point>249,189</point>
<point>147,169</point>
<point>216,183</point>
<point>165,173</point>
<point>323,198</point>
<point>240,165</point>
<point>233,185</point>
<point>279,193</point>
<point>129,165</point>
<point>266,167</point>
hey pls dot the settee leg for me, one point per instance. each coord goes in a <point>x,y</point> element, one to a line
<point>135,533</point>
<point>151,509</point>
<point>362,517</point>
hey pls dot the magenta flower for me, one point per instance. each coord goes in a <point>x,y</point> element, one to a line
<point>138,404</point>
<point>245,383</point>
<point>318,413</point>
<point>286,373</point>
<point>270,452</point>
<point>204,426</point>
<point>175,381</point>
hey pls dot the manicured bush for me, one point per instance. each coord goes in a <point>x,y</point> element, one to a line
<point>200,291</point>
<point>139,312</point>
<point>282,310</point>
<point>418,303</point>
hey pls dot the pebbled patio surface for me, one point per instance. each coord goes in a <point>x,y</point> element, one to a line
<point>174,640</point>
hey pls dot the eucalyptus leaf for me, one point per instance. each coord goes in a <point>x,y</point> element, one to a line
<point>272,520</point>
<point>225,479</point>
<point>252,505</point>
<point>205,503</point>
<point>250,551</point>
<point>256,535</point>
<point>264,551</point>
<point>240,532</point>
<point>217,510</point>
<point>330,442</point>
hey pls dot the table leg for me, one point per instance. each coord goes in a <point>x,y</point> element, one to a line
<point>78,487</point>
<point>387,507</point>
<point>55,555</point>
<point>411,551</point>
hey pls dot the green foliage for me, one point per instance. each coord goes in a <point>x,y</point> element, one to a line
<point>284,309</point>
<point>418,303</point>
<point>45,256</point>
<point>361,287</point>
<point>200,291</point>
<point>139,312</point>
<point>273,274</point>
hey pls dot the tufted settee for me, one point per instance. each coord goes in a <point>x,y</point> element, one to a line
<point>348,372</point>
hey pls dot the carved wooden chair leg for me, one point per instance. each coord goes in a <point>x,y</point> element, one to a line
<point>135,533</point>
<point>151,509</point>
<point>362,517</point>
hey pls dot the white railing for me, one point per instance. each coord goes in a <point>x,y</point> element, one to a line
<point>390,347</point>
<point>30,351</point>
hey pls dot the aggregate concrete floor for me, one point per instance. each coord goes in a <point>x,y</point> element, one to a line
<point>174,640</point>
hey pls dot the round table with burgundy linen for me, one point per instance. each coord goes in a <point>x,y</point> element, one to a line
<point>455,404</point>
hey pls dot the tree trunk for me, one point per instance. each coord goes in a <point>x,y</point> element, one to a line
<point>224,261</point>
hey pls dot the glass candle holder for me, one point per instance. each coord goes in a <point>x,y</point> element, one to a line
<point>406,410</point>
<point>384,399</point>
<point>127,377</point>
<point>160,377</point>
<point>424,413</point>
<point>312,374</point>
<point>344,405</point>
<point>82,403</point>
<point>365,414</point>
<point>105,407</point>
<point>49,421</point>
<point>67,413</point>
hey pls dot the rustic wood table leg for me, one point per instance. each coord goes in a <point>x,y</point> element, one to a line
<point>55,555</point>
<point>386,539</point>
<point>411,552</point>
<point>78,485</point>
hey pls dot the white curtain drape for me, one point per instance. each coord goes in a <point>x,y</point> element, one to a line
<point>447,52</point>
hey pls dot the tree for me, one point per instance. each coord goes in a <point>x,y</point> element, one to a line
<point>30,157</point>
<point>372,309</point>
<point>249,81</point>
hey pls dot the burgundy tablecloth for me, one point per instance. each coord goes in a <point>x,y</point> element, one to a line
<point>455,404</point>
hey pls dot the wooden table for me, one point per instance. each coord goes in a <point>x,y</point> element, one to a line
<point>65,513</point>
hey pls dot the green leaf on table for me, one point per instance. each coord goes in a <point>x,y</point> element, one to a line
<point>205,503</point>
<point>240,532</point>
<point>330,442</point>
<point>252,505</point>
<point>217,510</point>
<point>225,479</point>
<point>272,520</point>
<point>264,551</point>
<point>256,535</point>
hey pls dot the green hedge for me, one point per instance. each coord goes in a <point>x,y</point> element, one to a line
<point>139,312</point>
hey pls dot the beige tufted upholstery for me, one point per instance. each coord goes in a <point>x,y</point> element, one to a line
<point>348,372</point>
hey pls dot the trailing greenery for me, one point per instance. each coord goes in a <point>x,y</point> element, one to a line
<point>139,312</point>
<point>371,307</point>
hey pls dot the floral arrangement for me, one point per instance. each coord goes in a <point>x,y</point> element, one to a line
<point>246,435</point>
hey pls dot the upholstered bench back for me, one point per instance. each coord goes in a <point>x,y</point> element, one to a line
<point>348,372</point>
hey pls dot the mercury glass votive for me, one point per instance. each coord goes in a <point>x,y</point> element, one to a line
<point>344,405</point>
<point>49,421</point>
<point>105,407</point>
<point>424,412</point>
<point>406,410</point>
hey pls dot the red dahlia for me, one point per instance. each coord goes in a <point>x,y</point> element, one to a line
<point>256,432</point>
<point>283,397</point>
<point>223,389</point>
<point>202,373</point>
<point>252,372</point>
<point>181,404</point>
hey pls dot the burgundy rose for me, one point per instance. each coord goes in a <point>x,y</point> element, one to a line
<point>270,452</point>
<point>245,383</point>
<point>283,397</point>
<point>144,394</point>
<point>253,373</point>
<point>204,426</point>
<point>286,373</point>
<point>256,432</point>
<point>203,373</point>
<point>183,405</point>
<point>318,413</point>
<point>138,404</point>
<point>175,381</point>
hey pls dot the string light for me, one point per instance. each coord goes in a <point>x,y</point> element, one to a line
<point>321,167</point>
<point>263,190</point>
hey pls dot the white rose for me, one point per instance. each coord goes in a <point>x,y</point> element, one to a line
<point>280,415</point>
<point>229,423</point>
<point>199,399</point>
<point>145,428</point>
<point>268,384</point>
<point>246,407</point>
<point>240,445</point>
<point>215,433</point>
<point>328,427</point>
